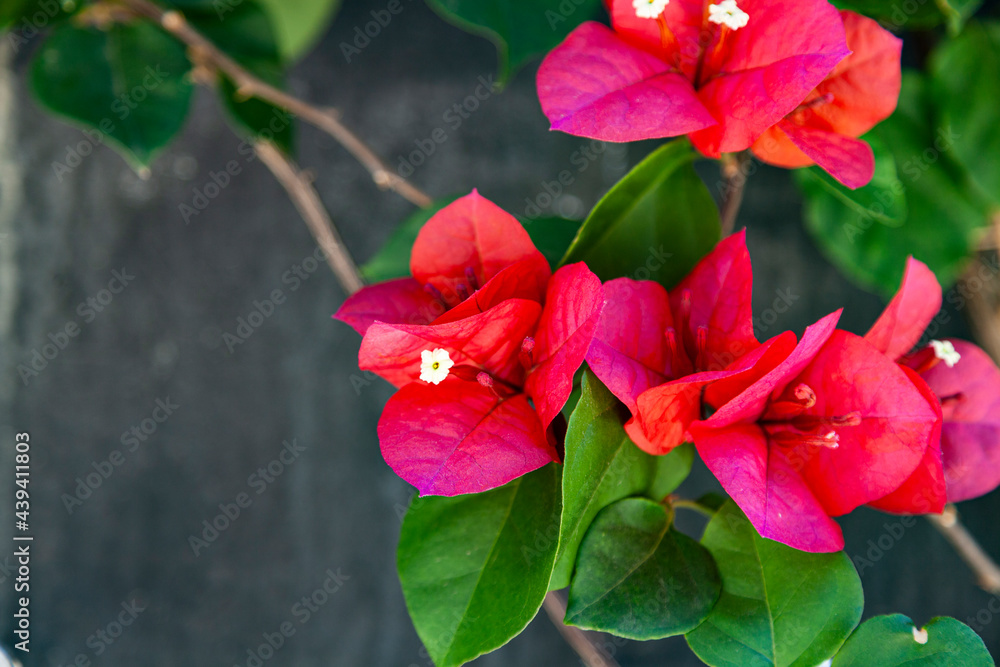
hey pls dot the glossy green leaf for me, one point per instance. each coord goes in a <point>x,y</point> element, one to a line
<point>779,607</point>
<point>602,465</point>
<point>889,641</point>
<point>475,568</point>
<point>656,223</point>
<point>944,207</point>
<point>521,29</point>
<point>896,15</point>
<point>393,259</point>
<point>244,31</point>
<point>552,236</point>
<point>965,86</point>
<point>638,578</point>
<point>126,85</point>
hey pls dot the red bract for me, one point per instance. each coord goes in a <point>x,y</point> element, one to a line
<point>483,341</point>
<point>860,92</point>
<point>648,337</point>
<point>833,426</point>
<point>691,69</point>
<point>967,383</point>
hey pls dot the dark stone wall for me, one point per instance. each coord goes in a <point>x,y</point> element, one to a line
<point>336,507</point>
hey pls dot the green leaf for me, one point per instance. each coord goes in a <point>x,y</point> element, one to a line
<point>521,29</point>
<point>883,200</point>
<point>300,23</point>
<point>243,30</point>
<point>656,223</point>
<point>475,568</point>
<point>888,641</point>
<point>393,259</point>
<point>638,578</point>
<point>602,465</point>
<point>779,606</point>
<point>965,86</point>
<point>128,85</point>
<point>27,17</point>
<point>944,207</point>
<point>925,14</point>
<point>552,236</point>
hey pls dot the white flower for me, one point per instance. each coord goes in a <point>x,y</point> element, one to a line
<point>920,636</point>
<point>649,9</point>
<point>946,352</point>
<point>728,14</point>
<point>434,366</point>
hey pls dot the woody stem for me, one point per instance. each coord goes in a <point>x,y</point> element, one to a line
<point>590,653</point>
<point>733,167</point>
<point>248,85</point>
<point>985,568</point>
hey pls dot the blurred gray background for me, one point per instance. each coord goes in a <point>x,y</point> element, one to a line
<point>337,506</point>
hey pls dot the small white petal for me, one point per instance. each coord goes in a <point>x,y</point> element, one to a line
<point>946,352</point>
<point>727,13</point>
<point>920,636</point>
<point>649,9</point>
<point>435,365</point>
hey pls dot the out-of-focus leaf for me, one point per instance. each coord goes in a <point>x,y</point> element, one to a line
<point>521,29</point>
<point>897,15</point>
<point>393,259</point>
<point>127,85</point>
<point>552,236</point>
<point>944,206</point>
<point>656,223</point>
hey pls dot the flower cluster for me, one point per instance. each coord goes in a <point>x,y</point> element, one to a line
<point>796,82</point>
<point>799,431</point>
<point>482,341</point>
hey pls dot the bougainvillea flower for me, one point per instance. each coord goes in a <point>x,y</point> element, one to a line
<point>648,337</point>
<point>470,244</point>
<point>480,383</point>
<point>833,426</point>
<point>966,382</point>
<point>859,93</point>
<point>720,72</point>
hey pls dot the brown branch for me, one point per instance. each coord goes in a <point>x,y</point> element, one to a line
<point>986,570</point>
<point>307,201</point>
<point>734,176</point>
<point>589,652</point>
<point>205,52</point>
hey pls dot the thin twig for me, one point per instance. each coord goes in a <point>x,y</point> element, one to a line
<point>986,570</point>
<point>734,176</point>
<point>307,201</point>
<point>248,85</point>
<point>589,652</point>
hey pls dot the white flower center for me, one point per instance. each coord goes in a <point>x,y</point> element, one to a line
<point>434,365</point>
<point>946,352</point>
<point>920,636</point>
<point>649,9</point>
<point>728,14</point>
